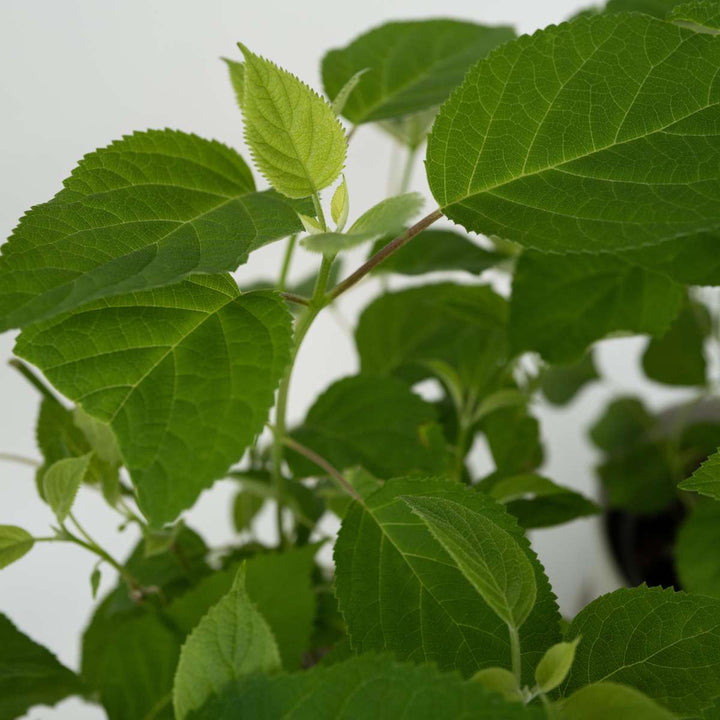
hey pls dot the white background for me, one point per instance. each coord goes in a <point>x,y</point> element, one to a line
<point>76,74</point>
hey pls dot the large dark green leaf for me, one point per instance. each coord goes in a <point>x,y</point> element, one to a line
<point>30,674</point>
<point>185,376</point>
<point>696,556</point>
<point>148,210</point>
<point>400,590</point>
<point>597,134</point>
<point>412,66</point>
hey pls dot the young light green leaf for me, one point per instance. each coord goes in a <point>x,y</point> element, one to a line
<point>601,153</point>
<point>399,589</point>
<point>437,250</point>
<point>14,543</point>
<point>294,135</point>
<point>403,333</point>
<point>386,219</point>
<point>373,421</point>
<point>603,700</point>
<point>95,578</point>
<point>706,479</point>
<point>30,674</point>
<point>664,643</point>
<point>369,687</point>
<point>341,98</point>
<point>185,376</point>
<point>499,680</point>
<point>62,481</point>
<point>555,665</point>
<point>99,435</point>
<point>147,211</point>
<point>340,205</point>
<point>232,640</point>
<point>236,70</point>
<point>412,65</point>
<point>700,15</point>
<point>697,567</point>
<point>562,303</point>
<point>488,556</point>
<point>538,502</point>
<point>678,358</point>
<point>561,383</point>
<point>310,224</point>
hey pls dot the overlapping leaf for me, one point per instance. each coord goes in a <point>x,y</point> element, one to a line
<point>664,643</point>
<point>147,211</point>
<point>370,687</point>
<point>185,376</point>
<point>399,589</point>
<point>592,135</point>
<point>413,66</point>
<point>695,557</point>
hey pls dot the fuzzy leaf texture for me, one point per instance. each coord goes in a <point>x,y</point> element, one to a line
<point>294,135</point>
<point>399,590</point>
<point>30,675</point>
<point>232,640</point>
<point>369,687</point>
<point>412,66</point>
<point>597,134</point>
<point>664,643</point>
<point>185,376</point>
<point>147,211</point>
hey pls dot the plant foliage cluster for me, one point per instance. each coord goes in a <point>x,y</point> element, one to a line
<point>588,156</point>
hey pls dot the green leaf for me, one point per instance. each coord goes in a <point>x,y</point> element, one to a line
<point>706,479</point>
<point>95,578</point>
<point>514,439</point>
<point>656,8</point>
<point>30,675</point>
<point>555,665</point>
<point>340,205</point>
<point>611,700</point>
<point>562,303</point>
<point>406,332</point>
<point>62,481</point>
<point>388,218</point>
<point>370,687</point>
<point>14,543</point>
<point>561,383</point>
<point>232,640</point>
<point>372,421</point>
<point>499,680</point>
<point>99,435</point>
<point>488,556</point>
<point>185,377</point>
<point>700,15</point>
<point>537,502</point>
<point>147,211</point>
<point>625,422</point>
<point>246,506</point>
<point>664,643</point>
<point>613,145</point>
<point>411,130</point>
<point>413,66</point>
<point>294,135</point>
<point>437,250</point>
<point>399,590</point>
<point>236,71</point>
<point>678,358</point>
<point>697,566</point>
<point>341,98</point>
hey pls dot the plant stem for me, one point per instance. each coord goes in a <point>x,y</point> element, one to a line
<point>289,249</point>
<point>462,438</point>
<point>297,299</point>
<point>408,170</point>
<point>304,322</point>
<point>515,655</point>
<point>550,712</point>
<point>33,379</point>
<point>392,247</point>
<point>321,462</point>
<point>319,211</point>
<point>12,457</point>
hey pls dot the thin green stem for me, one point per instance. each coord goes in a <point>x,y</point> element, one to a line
<point>516,657</point>
<point>287,259</point>
<point>322,463</point>
<point>549,707</point>
<point>21,459</point>
<point>297,299</point>
<point>319,211</point>
<point>392,247</point>
<point>462,438</point>
<point>33,379</point>
<point>408,170</point>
